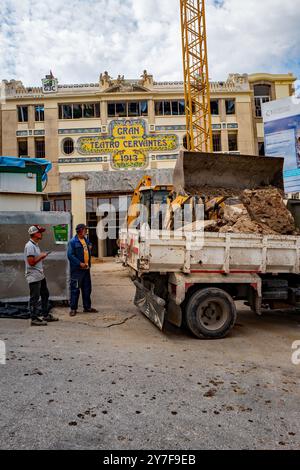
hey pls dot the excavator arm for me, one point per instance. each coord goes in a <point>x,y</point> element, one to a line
<point>133,212</point>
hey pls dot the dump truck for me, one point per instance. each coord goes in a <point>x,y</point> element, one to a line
<point>194,278</point>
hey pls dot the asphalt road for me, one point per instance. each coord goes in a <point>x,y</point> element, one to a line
<point>113,381</point>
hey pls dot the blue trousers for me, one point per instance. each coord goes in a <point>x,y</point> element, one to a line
<point>81,282</point>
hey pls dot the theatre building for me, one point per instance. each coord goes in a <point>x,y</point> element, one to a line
<point>104,137</point>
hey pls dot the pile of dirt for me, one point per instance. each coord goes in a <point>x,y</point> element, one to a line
<point>261,211</point>
<point>246,225</point>
<point>267,207</point>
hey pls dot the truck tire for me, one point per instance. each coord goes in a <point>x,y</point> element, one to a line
<point>210,313</point>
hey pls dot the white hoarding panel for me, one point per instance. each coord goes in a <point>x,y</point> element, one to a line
<point>282,137</point>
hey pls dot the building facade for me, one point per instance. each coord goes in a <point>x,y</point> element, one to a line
<point>117,130</point>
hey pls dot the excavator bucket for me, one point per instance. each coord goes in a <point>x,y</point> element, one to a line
<point>221,174</point>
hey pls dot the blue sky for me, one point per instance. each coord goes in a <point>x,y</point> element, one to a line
<point>79,39</point>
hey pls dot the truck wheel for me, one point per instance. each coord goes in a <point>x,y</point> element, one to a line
<point>210,313</point>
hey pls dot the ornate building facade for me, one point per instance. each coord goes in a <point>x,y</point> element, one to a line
<point>115,131</point>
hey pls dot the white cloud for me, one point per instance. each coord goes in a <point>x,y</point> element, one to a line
<point>79,39</point>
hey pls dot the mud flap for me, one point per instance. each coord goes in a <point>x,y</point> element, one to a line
<point>152,306</point>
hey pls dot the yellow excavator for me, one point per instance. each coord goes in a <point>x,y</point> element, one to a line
<point>209,177</point>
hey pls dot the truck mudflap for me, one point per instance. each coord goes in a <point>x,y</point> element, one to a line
<point>152,306</point>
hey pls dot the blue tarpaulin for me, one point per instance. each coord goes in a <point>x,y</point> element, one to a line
<point>21,163</point>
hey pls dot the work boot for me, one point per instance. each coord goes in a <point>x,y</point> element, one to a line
<point>73,313</point>
<point>90,310</point>
<point>38,322</point>
<point>50,318</point>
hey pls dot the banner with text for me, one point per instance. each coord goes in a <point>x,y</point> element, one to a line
<point>282,137</point>
<point>128,144</point>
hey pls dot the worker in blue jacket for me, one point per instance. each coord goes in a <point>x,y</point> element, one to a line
<point>79,255</point>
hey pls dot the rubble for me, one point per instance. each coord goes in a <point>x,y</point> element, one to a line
<point>261,211</point>
<point>266,206</point>
<point>246,225</point>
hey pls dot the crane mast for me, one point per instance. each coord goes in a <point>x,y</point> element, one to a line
<point>196,76</point>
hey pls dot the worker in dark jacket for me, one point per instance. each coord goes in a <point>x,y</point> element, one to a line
<point>79,255</point>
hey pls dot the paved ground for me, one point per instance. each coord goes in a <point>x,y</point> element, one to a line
<point>113,381</point>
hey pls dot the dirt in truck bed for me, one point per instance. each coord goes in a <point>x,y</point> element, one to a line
<point>267,207</point>
<point>211,192</point>
<point>261,211</point>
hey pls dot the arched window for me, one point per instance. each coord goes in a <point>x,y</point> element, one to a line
<point>68,146</point>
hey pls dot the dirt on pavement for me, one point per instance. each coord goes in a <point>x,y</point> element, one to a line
<point>114,381</point>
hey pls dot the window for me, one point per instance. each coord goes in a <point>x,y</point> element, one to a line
<point>68,146</point>
<point>65,111</point>
<point>175,108</point>
<point>258,105</point>
<point>133,109</point>
<point>167,108</point>
<point>111,109</point>
<point>59,205</point>
<point>62,205</point>
<point>214,105</point>
<point>230,107</point>
<point>170,108</point>
<point>39,113</point>
<point>128,109</point>
<point>68,205</point>
<point>40,148</point>
<point>185,141</point>
<point>23,148</point>
<point>91,110</point>
<point>217,144</point>
<point>159,108</point>
<point>79,111</point>
<point>233,142</point>
<point>261,149</point>
<point>144,108</point>
<point>262,94</point>
<point>181,105</point>
<point>121,110</point>
<point>23,113</point>
<point>90,206</point>
<point>262,90</point>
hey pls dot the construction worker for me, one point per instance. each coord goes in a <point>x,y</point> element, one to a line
<point>79,255</point>
<point>36,279</point>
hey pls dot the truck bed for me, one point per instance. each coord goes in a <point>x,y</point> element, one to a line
<point>212,253</point>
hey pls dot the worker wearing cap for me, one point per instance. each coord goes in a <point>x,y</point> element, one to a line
<point>36,279</point>
<point>79,255</point>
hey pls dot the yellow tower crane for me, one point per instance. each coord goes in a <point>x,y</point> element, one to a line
<point>196,76</point>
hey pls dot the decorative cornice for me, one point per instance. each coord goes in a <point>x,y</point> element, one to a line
<point>287,77</point>
<point>235,83</point>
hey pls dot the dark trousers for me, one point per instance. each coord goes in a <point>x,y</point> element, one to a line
<point>38,290</point>
<point>81,282</point>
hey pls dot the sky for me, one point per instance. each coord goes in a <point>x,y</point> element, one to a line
<point>79,39</point>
